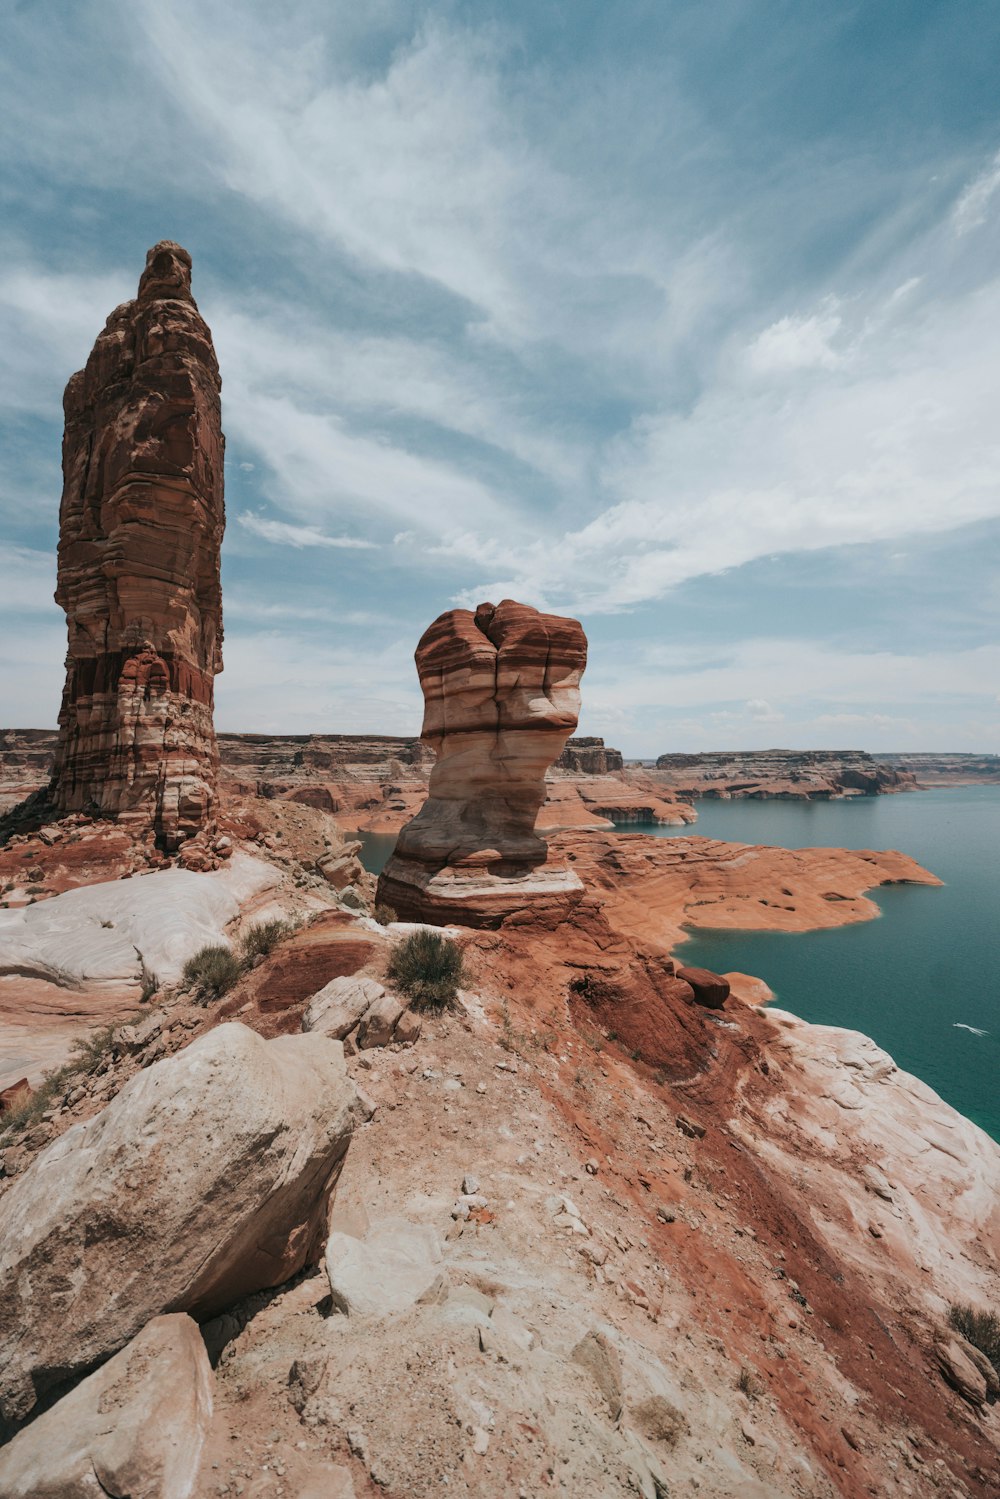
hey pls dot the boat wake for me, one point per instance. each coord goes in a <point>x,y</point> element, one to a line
<point>958,1026</point>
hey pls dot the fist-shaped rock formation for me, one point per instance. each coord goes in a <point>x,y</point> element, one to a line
<point>140,528</point>
<point>501,697</point>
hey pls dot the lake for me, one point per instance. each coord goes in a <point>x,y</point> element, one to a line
<point>924,980</point>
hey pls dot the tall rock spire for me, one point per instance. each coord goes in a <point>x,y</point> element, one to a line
<point>140,531</point>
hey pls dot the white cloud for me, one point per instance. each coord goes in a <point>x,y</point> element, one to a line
<point>48,324</point>
<point>760,711</point>
<point>29,580</point>
<point>798,343</point>
<point>902,443</point>
<point>973,206</point>
<point>282,349</point>
<point>283,534</point>
<point>283,682</point>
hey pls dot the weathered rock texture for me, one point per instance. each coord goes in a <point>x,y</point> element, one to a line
<point>501,696</point>
<point>135,1427</point>
<point>141,524</point>
<point>208,1177</point>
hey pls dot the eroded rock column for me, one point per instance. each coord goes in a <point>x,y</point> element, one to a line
<point>140,531</point>
<point>501,697</point>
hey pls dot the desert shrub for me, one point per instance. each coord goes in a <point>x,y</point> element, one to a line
<point>263,937</point>
<point>749,1384</point>
<point>150,984</point>
<point>384,915</point>
<point>981,1329</point>
<point>429,969</point>
<point>90,1049</point>
<point>213,970</point>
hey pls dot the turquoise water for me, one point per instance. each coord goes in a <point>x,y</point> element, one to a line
<point>913,979</point>
<point>375,850</point>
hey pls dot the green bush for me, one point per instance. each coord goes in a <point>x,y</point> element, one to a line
<point>429,969</point>
<point>213,970</point>
<point>981,1329</point>
<point>263,937</point>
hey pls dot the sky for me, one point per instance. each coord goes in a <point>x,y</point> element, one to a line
<point>680,318</point>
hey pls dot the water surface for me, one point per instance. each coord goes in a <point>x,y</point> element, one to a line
<point>924,979</point>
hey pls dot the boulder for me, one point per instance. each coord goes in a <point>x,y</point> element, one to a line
<point>342,868</point>
<point>340,1004</point>
<point>134,1428</point>
<point>379,1022</point>
<point>982,1363</point>
<point>207,1178</point>
<point>394,1266</point>
<point>710,989</point>
<point>961,1371</point>
<point>408,1028</point>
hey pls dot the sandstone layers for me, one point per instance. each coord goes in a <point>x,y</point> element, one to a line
<point>782,774</point>
<point>501,696</point>
<point>141,524</point>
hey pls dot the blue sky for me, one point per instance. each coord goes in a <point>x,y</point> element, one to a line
<point>679,317</point>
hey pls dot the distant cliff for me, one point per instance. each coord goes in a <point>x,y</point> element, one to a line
<point>947,770</point>
<point>809,774</point>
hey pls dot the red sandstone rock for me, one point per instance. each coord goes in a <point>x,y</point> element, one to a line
<point>710,989</point>
<point>141,524</point>
<point>13,1096</point>
<point>501,697</point>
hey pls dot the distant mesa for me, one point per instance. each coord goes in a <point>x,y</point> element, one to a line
<point>140,531</point>
<point>778,773</point>
<point>501,697</point>
<point>590,756</point>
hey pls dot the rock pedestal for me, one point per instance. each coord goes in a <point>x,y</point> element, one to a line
<point>501,696</point>
<point>140,529</point>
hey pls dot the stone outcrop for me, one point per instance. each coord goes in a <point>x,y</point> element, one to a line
<point>140,528</point>
<point>710,989</point>
<point>501,696</point>
<point>798,774</point>
<point>590,756</point>
<point>208,1177</point>
<point>361,1013</point>
<point>135,1427</point>
<point>394,1266</point>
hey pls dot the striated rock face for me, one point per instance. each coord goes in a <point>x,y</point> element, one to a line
<point>590,756</point>
<point>501,696</point>
<point>782,774</point>
<point>140,528</point>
